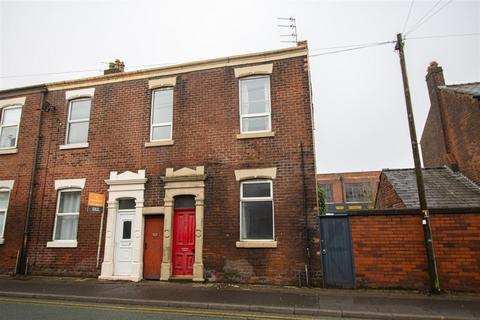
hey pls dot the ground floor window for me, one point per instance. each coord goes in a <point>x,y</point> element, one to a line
<point>256,210</point>
<point>68,210</point>
<point>4,195</point>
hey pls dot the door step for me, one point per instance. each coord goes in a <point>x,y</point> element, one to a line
<point>181,279</point>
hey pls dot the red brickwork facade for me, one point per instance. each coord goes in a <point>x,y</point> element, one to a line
<point>19,168</point>
<point>205,127</point>
<point>389,250</point>
<point>452,131</point>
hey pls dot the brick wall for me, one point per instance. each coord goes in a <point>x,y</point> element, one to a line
<point>18,167</point>
<point>463,125</point>
<point>433,140</point>
<point>457,247</point>
<point>389,250</point>
<point>205,125</point>
<point>450,136</point>
<point>386,196</point>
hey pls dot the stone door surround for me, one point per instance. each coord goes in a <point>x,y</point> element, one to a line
<point>124,185</point>
<point>184,181</point>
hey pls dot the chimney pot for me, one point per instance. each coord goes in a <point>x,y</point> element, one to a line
<point>435,74</point>
<point>115,67</point>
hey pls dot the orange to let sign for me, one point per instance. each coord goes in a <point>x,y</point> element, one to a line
<point>96,202</point>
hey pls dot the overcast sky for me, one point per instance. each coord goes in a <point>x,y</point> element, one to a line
<point>359,105</point>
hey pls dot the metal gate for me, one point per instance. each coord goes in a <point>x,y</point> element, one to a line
<point>337,256</point>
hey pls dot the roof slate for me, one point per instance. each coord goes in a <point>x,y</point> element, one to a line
<point>472,89</point>
<point>443,187</point>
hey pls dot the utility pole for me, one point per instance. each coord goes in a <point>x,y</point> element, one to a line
<point>427,233</point>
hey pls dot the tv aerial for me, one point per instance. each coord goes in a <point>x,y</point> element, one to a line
<point>291,24</point>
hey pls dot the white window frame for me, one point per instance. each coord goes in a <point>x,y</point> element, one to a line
<point>2,232</point>
<point>253,115</point>
<point>255,199</point>
<point>161,124</point>
<point>17,106</point>
<point>69,121</point>
<point>64,243</point>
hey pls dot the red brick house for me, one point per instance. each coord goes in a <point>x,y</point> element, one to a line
<point>208,169</point>
<point>452,132</point>
<point>19,125</point>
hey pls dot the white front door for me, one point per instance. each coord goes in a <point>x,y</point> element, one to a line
<point>124,243</point>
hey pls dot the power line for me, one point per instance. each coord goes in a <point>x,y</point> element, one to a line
<point>408,16</point>
<point>427,13</point>
<point>409,38</point>
<point>444,36</point>
<point>345,48</point>
<point>419,24</point>
<point>47,73</point>
<point>78,71</point>
<point>351,49</point>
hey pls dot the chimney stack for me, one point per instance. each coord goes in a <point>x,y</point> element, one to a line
<point>115,67</point>
<point>434,75</point>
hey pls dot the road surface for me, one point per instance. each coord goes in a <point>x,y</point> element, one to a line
<point>33,309</point>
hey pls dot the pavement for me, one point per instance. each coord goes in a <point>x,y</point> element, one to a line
<point>358,303</point>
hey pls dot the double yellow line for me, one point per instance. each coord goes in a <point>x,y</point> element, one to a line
<point>149,310</point>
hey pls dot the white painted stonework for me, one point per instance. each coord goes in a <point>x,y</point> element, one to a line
<point>7,184</point>
<point>12,102</point>
<point>80,93</point>
<point>124,185</point>
<point>163,82</point>
<point>259,69</point>
<point>70,183</point>
<point>248,174</point>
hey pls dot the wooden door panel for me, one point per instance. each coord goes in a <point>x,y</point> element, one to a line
<point>184,241</point>
<point>153,247</point>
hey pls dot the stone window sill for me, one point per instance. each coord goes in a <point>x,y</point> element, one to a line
<point>8,151</point>
<point>74,146</point>
<point>256,244</point>
<point>62,244</point>
<point>266,134</point>
<point>2,240</point>
<point>158,143</point>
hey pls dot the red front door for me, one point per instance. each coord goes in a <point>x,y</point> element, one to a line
<point>183,241</point>
<point>153,247</point>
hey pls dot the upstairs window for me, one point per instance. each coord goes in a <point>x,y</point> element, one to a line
<point>358,192</point>
<point>9,123</point>
<point>4,195</point>
<point>78,120</point>
<point>68,210</point>
<point>256,205</point>
<point>255,113</point>
<point>162,115</point>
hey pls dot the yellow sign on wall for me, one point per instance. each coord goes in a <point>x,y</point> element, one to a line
<point>96,202</point>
